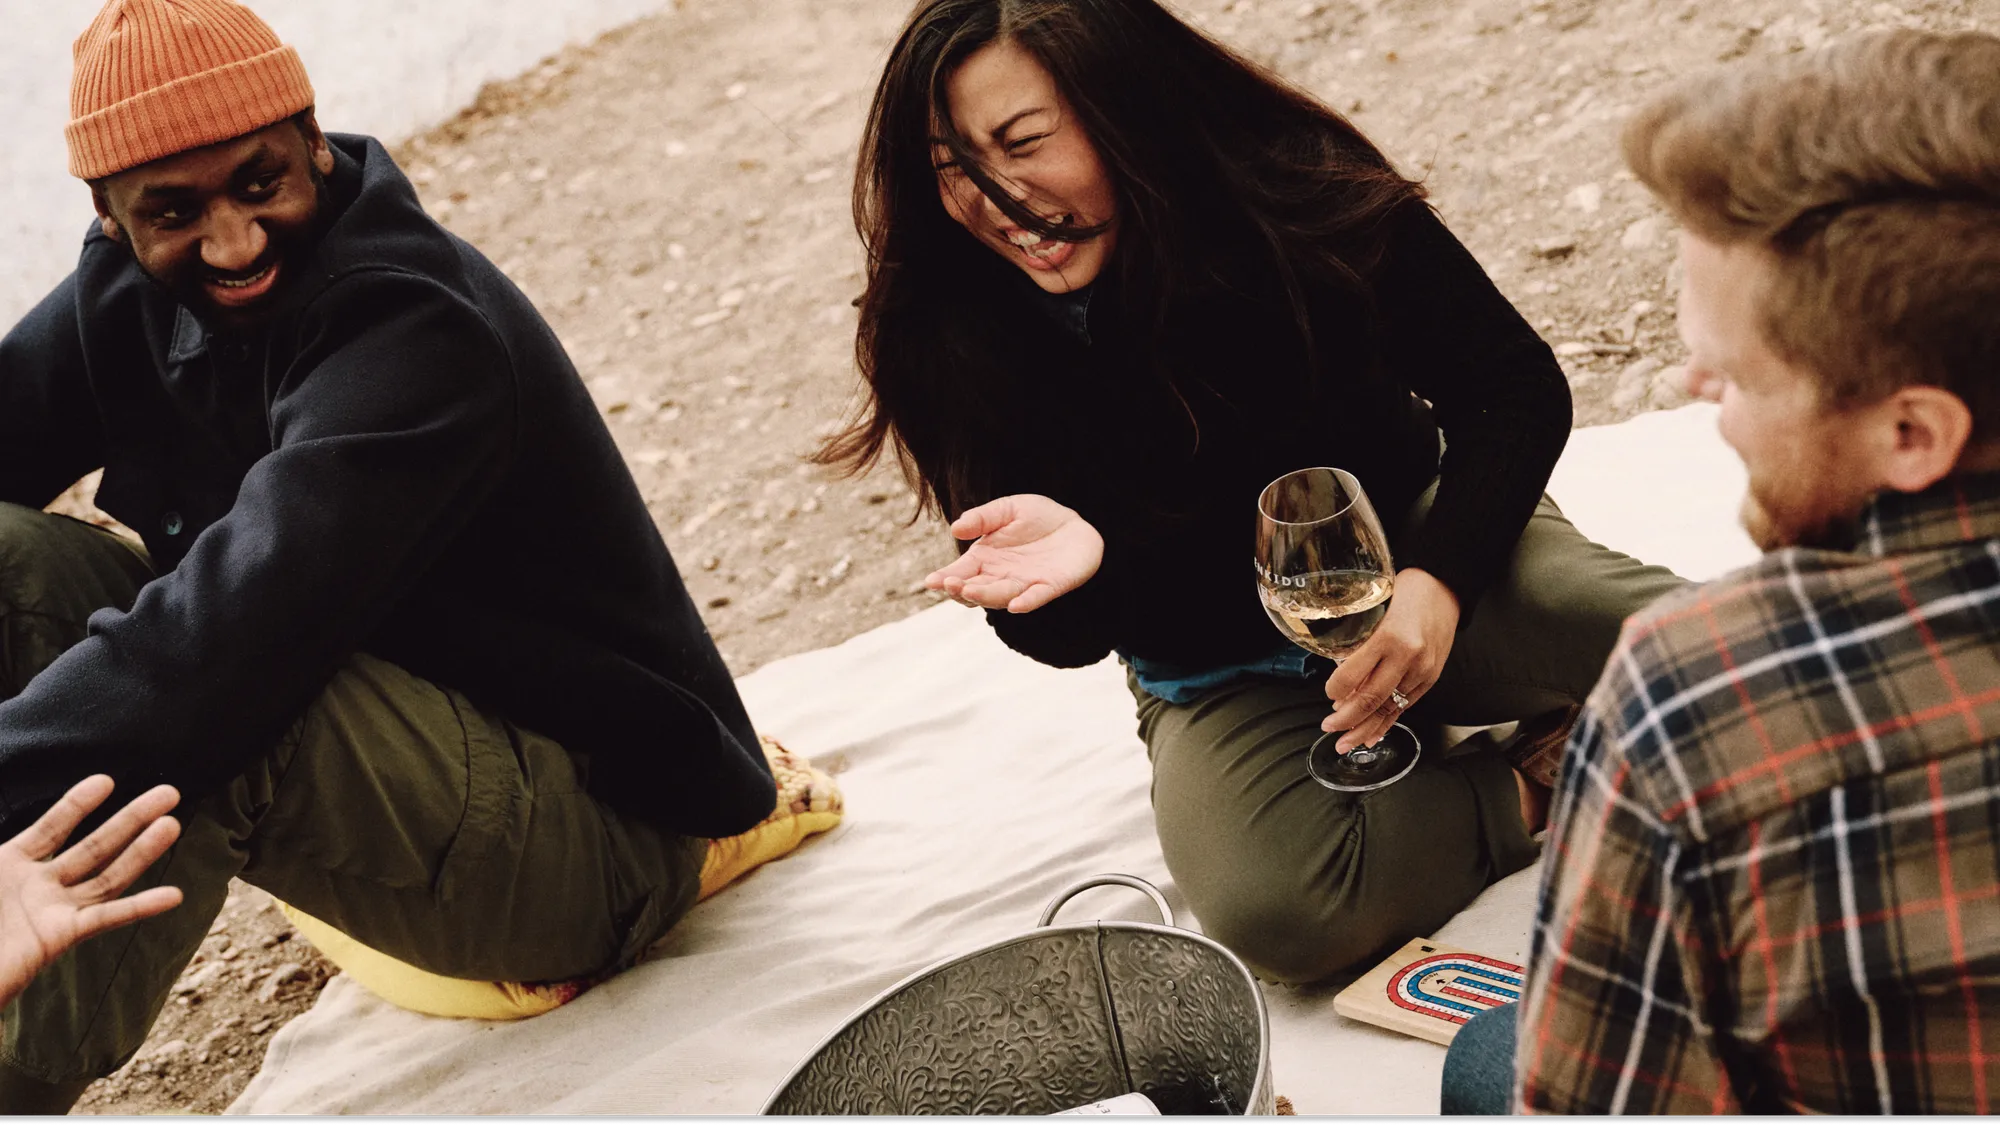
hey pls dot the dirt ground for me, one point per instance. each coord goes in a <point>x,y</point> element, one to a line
<point>674,197</point>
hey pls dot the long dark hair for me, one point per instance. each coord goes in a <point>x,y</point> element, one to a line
<point>1221,170</point>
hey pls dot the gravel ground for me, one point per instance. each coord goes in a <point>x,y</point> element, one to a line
<point>674,198</point>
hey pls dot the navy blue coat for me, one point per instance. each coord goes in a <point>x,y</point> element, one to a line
<point>404,463</point>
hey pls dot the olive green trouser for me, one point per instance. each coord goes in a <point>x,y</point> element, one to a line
<point>392,809</point>
<point>1303,882</point>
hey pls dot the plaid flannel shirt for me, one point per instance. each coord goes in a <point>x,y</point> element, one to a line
<point>1774,879</point>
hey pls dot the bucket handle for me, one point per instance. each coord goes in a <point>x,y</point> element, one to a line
<point>1133,881</point>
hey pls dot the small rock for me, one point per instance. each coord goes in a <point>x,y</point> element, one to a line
<point>1641,234</point>
<point>1574,348</point>
<point>650,457</point>
<point>696,522</point>
<point>676,149</point>
<point>1554,248</point>
<point>1587,198</point>
<point>711,318</point>
<point>279,978</point>
<point>840,569</point>
<point>1635,382</point>
<point>677,252</point>
<point>198,978</point>
<point>711,562</point>
<point>785,584</point>
<point>730,299</point>
<point>818,176</point>
<point>736,90</point>
<point>719,601</point>
<point>171,1049</point>
<point>260,1027</point>
<point>1670,387</point>
<point>219,925</point>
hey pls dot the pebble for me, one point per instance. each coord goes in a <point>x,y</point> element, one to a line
<point>736,90</point>
<point>840,569</point>
<point>1553,248</point>
<point>711,318</point>
<point>196,980</point>
<point>676,148</point>
<point>1635,382</point>
<point>260,1027</point>
<point>695,522</point>
<point>730,299</point>
<point>279,978</point>
<point>817,176</point>
<point>1587,198</point>
<point>719,601</point>
<point>1641,234</point>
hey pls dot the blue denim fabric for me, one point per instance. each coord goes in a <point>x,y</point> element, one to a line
<point>1177,683</point>
<point>1479,1067</point>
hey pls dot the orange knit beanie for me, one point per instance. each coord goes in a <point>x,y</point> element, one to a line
<point>157,77</point>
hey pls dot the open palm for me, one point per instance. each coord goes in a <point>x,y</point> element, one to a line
<point>49,904</point>
<point>1030,551</point>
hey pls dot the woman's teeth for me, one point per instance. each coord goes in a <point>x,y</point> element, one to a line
<point>1034,244</point>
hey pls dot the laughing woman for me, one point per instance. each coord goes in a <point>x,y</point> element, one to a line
<point>1120,279</point>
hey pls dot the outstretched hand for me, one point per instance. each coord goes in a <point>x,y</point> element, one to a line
<point>50,902</point>
<point>1030,551</point>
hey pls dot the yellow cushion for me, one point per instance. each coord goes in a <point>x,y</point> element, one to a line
<point>407,986</point>
<point>809,802</point>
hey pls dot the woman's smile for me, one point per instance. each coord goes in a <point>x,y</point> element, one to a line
<point>1030,143</point>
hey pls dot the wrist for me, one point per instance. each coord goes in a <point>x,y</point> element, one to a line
<point>1430,583</point>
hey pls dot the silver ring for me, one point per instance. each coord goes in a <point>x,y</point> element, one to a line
<point>1401,701</point>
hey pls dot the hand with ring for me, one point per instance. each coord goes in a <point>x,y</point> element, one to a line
<point>1399,663</point>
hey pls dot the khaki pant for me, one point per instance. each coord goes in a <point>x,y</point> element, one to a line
<point>393,809</point>
<point>1303,882</point>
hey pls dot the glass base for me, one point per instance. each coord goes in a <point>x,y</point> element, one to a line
<point>1365,767</point>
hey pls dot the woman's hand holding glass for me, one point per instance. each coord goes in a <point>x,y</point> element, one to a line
<point>1406,653</point>
<point>1030,550</point>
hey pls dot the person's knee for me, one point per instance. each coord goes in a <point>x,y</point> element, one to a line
<point>1479,1066</point>
<point>1288,935</point>
<point>24,534</point>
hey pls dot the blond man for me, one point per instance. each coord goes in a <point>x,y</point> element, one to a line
<point>1774,878</point>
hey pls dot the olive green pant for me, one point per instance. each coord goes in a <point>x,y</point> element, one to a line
<point>1303,882</point>
<point>393,809</point>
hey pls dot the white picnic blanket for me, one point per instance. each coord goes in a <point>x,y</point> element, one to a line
<point>978,784</point>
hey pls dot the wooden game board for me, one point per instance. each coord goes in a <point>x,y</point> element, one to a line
<point>1429,990</point>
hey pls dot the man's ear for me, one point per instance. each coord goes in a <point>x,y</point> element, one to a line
<point>112,230</point>
<point>316,146</point>
<point>1932,426</point>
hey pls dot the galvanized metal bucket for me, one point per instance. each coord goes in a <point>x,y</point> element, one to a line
<point>1057,1018</point>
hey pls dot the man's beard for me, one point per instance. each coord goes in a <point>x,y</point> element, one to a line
<point>1775,521</point>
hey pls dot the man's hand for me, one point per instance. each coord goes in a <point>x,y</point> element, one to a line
<point>49,904</point>
<point>1031,551</point>
<point>1406,653</point>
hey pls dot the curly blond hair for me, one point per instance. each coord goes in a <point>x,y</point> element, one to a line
<point>1870,172</point>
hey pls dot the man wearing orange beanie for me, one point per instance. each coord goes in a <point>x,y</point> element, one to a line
<point>403,632</point>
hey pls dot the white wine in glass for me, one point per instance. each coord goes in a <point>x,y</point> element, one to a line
<point>1325,577</point>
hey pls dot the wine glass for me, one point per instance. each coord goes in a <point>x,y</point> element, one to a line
<point>1324,574</point>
